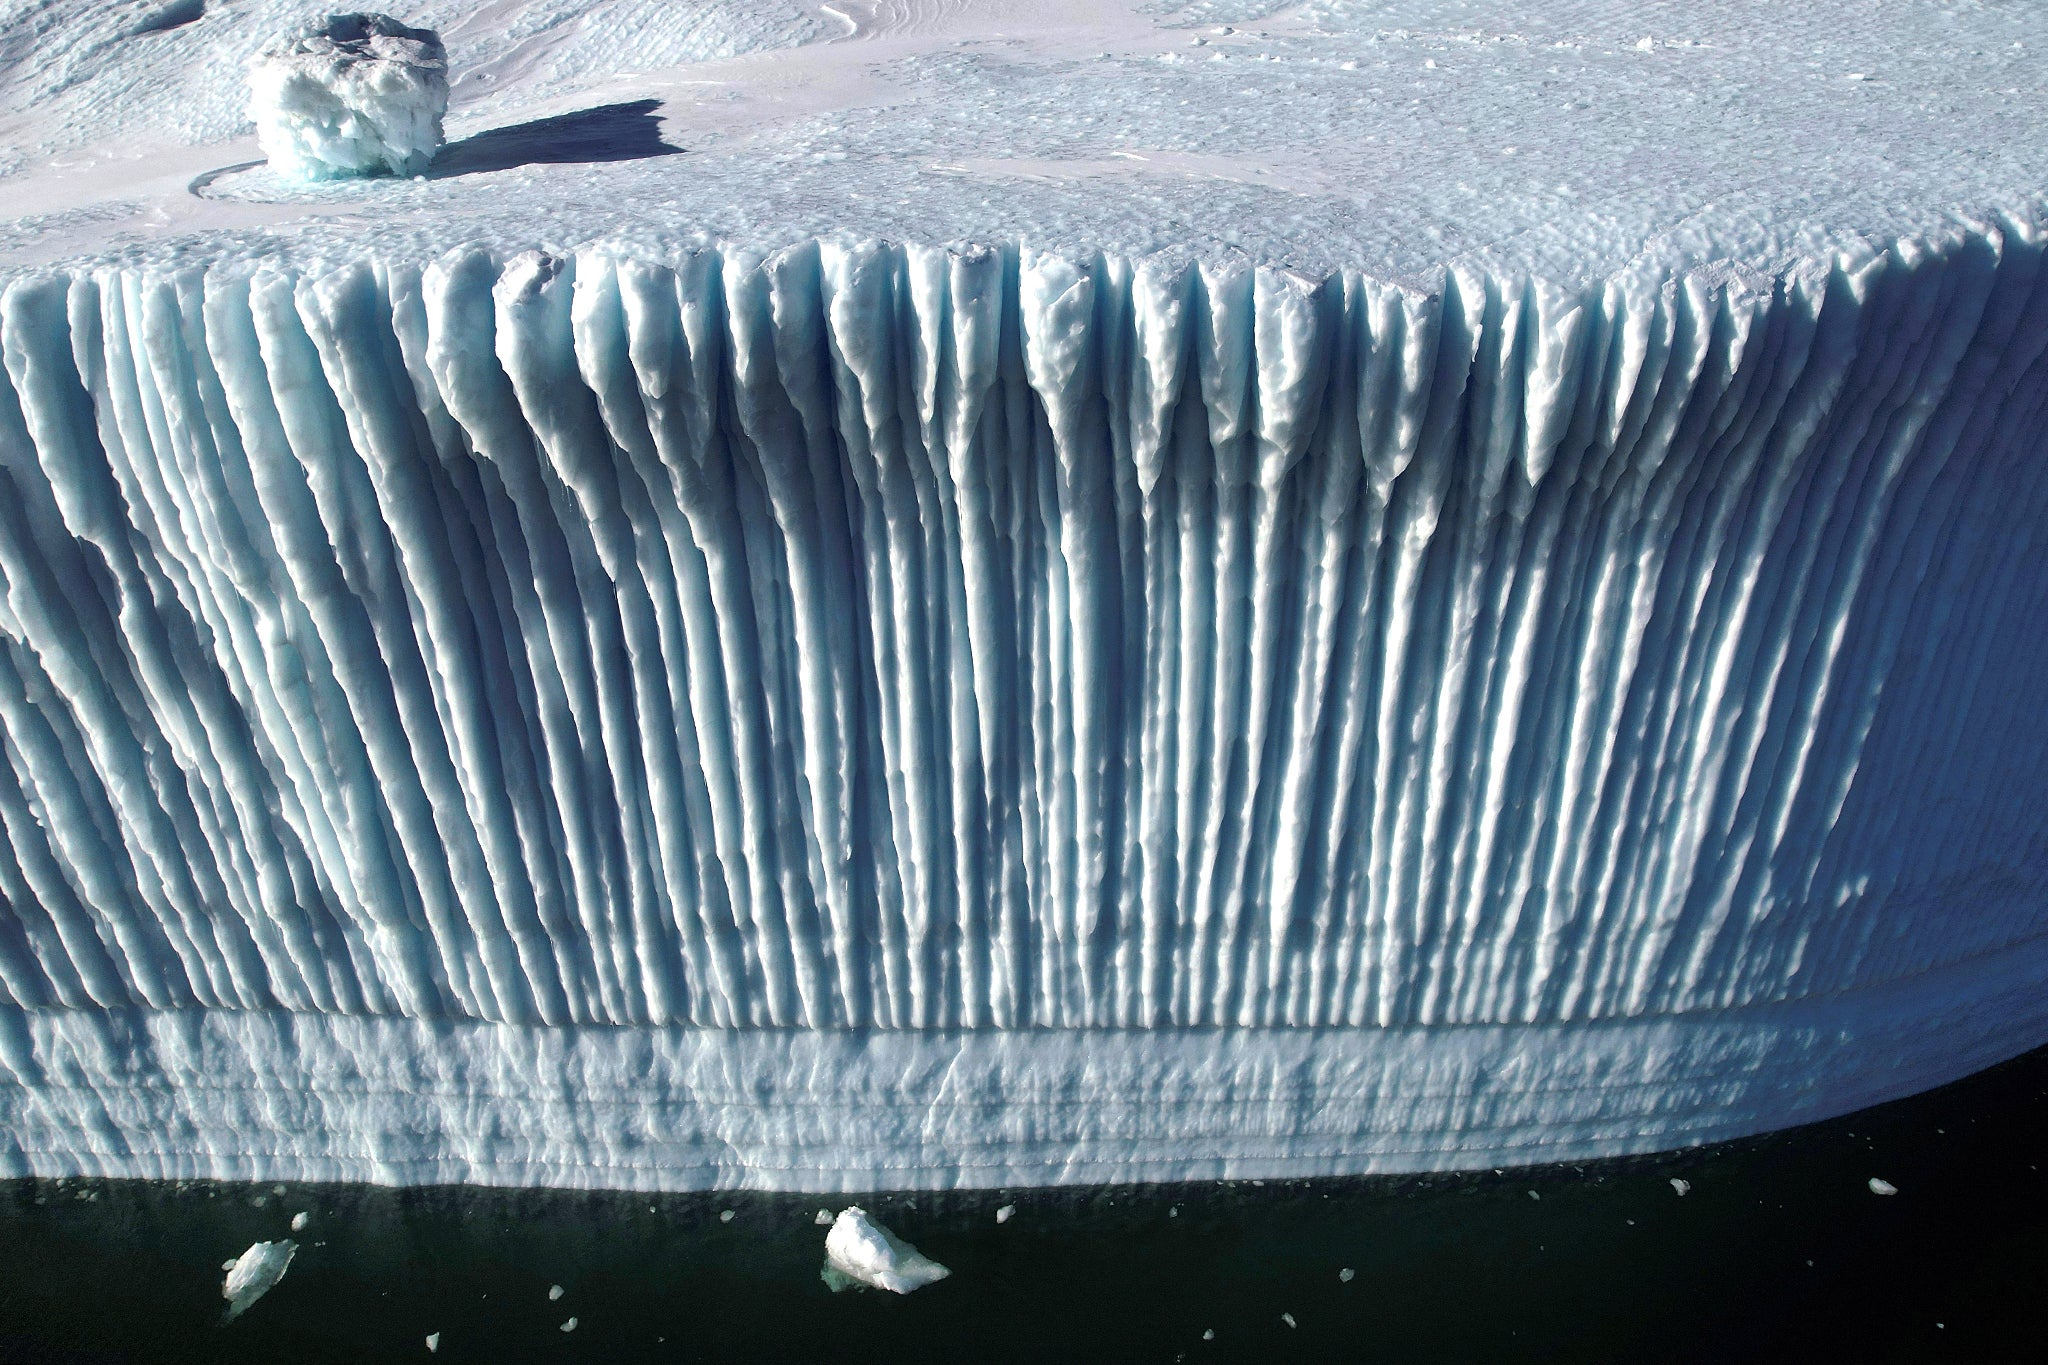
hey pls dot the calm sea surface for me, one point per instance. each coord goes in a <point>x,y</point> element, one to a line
<point>1778,1249</point>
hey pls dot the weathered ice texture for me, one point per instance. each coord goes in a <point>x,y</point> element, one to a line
<point>878,715</point>
<point>351,94</point>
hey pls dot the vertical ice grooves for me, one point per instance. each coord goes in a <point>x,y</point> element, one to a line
<point>879,636</point>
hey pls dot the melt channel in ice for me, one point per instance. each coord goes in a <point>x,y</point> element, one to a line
<point>350,95</point>
<point>870,715</point>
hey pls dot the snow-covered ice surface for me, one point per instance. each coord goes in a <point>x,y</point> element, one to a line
<point>911,595</point>
<point>349,95</point>
<point>858,1250</point>
<point>1393,137</point>
<point>255,1273</point>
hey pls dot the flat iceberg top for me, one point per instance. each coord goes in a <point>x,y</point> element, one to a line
<point>1570,140</point>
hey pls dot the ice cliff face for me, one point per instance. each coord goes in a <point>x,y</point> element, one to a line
<point>955,656</point>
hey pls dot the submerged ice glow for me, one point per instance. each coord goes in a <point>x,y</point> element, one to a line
<point>874,715</point>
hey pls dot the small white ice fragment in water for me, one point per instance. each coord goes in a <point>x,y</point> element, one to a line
<point>1882,1186</point>
<point>1681,1186</point>
<point>569,1326</point>
<point>433,1342</point>
<point>554,1292</point>
<point>252,1274</point>
<point>859,1250</point>
<point>824,1218</point>
<point>1006,1213</point>
<point>1209,1334</point>
<point>1287,1318</point>
<point>725,1215</point>
<point>1534,1195</point>
<point>1346,1275</point>
<point>298,1222</point>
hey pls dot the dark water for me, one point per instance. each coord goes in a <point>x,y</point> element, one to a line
<point>1779,1250</point>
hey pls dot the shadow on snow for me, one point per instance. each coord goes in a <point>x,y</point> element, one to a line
<point>628,131</point>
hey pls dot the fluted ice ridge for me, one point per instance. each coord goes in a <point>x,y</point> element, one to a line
<point>870,637</point>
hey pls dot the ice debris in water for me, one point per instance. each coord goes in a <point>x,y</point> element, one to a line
<point>433,1342</point>
<point>1006,1213</point>
<point>554,1292</point>
<point>725,1215</point>
<point>1288,1318</point>
<point>350,95</point>
<point>252,1274</point>
<point>569,1326</point>
<point>824,1218</point>
<point>1680,1186</point>
<point>1882,1186</point>
<point>299,1222</point>
<point>859,1250</point>
<point>1346,1275</point>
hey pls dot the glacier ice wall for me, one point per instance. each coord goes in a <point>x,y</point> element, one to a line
<point>888,715</point>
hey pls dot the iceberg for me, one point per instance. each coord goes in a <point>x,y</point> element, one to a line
<point>687,673</point>
<point>858,1250</point>
<point>888,702</point>
<point>255,1273</point>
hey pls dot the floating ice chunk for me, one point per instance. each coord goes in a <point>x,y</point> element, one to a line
<point>1680,1186</point>
<point>1288,1318</point>
<point>299,1221</point>
<point>1534,1195</point>
<point>725,1215</point>
<point>350,95</point>
<point>859,1250</point>
<point>1882,1186</point>
<point>554,1292</point>
<point>433,1342</point>
<point>824,1218</point>
<point>1006,1213</point>
<point>1346,1275</point>
<point>252,1274</point>
<point>569,1326</point>
<point>1209,1334</point>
